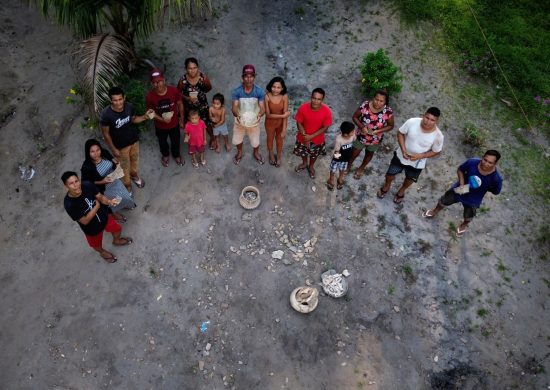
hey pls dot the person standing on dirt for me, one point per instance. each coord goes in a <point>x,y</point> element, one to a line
<point>419,139</point>
<point>167,103</point>
<point>248,108</point>
<point>373,118</point>
<point>475,177</point>
<point>312,119</point>
<point>118,122</point>
<point>87,206</point>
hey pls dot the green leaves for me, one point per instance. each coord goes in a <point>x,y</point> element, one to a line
<point>379,72</point>
<point>97,62</point>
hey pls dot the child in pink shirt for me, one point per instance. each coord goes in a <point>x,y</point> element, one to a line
<point>195,135</point>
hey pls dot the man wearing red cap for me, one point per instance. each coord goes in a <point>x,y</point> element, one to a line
<point>166,101</point>
<point>248,108</point>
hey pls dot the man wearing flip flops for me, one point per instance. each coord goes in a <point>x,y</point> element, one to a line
<point>248,108</point>
<point>87,206</point>
<point>475,177</point>
<point>121,135</point>
<point>312,119</point>
<point>166,101</point>
<point>419,139</point>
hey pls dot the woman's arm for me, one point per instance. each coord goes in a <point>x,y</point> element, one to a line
<point>389,127</point>
<point>287,114</point>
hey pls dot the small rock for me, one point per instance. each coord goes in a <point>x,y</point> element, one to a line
<point>278,254</point>
<point>436,358</point>
<point>201,365</point>
<point>208,346</point>
<point>346,273</point>
<point>313,188</point>
<point>261,251</point>
<point>233,249</point>
<point>396,308</point>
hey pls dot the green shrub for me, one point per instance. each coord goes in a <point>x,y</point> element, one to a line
<point>474,136</point>
<point>379,72</point>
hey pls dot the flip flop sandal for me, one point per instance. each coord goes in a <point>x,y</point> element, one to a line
<point>164,161</point>
<point>272,162</point>
<point>428,214</point>
<point>460,232</point>
<point>260,160</point>
<point>358,174</point>
<point>330,186</point>
<point>180,162</point>
<point>311,173</point>
<point>139,182</point>
<point>398,199</point>
<point>111,259</point>
<point>340,186</point>
<point>121,220</point>
<point>300,168</point>
<point>127,241</point>
<point>237,160</point>
<point>381,193</point>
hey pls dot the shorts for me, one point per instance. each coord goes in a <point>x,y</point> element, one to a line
<point>221,130</point>
<point>111,227</point>
<point>449,198</point>
<point>196,149</point>
<point>312,151</point>
<point>239,131</point>
<point>336,166</point>
<point>396,167</point>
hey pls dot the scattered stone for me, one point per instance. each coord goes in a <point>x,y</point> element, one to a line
<point>307,244</point>
<point>346,273</point>
<point>208,346</point>
<point>396,308</point>
<point>278,254</point>
<point>261,251</point>
<point>313,188</point>
<point>201,365</point>
<point>233,249</point>
<point>436,358</point>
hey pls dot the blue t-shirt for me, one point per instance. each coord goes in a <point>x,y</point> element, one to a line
<point>491,182</point>
<point>239,93</point>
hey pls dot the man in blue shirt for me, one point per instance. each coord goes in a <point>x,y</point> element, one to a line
<point>247,108</point>
<point>475,177</point>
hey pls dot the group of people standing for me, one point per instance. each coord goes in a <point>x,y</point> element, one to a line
<point>106,189</point>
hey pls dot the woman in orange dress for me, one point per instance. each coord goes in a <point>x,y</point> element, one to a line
<point>276,118</point>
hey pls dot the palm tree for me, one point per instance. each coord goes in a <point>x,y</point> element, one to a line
<point>109,28</point>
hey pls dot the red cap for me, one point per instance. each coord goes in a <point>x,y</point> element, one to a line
<point>249,69</point>
<point>156,74</point>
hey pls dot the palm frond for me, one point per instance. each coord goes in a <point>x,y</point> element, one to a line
<point>97,62</point>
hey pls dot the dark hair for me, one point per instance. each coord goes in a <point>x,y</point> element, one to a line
<point>274,80</point>
<point>65,176</point>
<point>347,127</point>
<point>493,152</point>
<point>192,111</point>
<point>383,93</point>
<point>191,60</point>
<point>219,97</point>
<point>115,91</point>
<point>434,111</point>
<point>88,145</point>
<point>318,90</point>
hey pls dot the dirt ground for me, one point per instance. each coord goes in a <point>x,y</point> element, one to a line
<point>425,310</point>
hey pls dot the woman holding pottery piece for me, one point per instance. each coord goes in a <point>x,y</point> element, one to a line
<point>100,168</point>
<point>373,118</point>
<point>194,85</point>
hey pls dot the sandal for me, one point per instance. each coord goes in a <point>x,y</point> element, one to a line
<point>237,159</point>
<point>460,232</point>
<point>260,160</point>
<point>311,171</point>
<point>398,199</point>
<point>126,241</point>
<point>110,259</point>
<point>428,214</point>
<point>180,162</point>
<point>120,220</point>
<point>358,174</point>
<point>139,182</point>
<point>339,185</point>
<point>381,193</point>
<point>164,161</point>
<point>330,186</point>
<point>195,164</point>
<point>300,168</point>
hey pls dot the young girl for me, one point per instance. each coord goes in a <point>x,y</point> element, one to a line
<point>341,155</point>
<point>276,118</point>
<point>216,112</point>
<point>195,134</point>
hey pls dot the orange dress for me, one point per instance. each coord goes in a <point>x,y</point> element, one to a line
<point>275,108</point>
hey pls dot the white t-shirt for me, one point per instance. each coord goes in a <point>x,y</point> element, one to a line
<point>417,141</point>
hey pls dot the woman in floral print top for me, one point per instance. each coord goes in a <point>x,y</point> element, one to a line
<point>373,118</point>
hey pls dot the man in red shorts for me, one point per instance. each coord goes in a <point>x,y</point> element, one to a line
<point>313,119</point>
<point>86,205</point>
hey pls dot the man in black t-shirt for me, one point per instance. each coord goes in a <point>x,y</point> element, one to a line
<point>86,205</point>
<point>118,126</point>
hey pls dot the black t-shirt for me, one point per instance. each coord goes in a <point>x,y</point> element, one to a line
<point>123,132</point>
<point>345,152</point>
<point>79,207</point>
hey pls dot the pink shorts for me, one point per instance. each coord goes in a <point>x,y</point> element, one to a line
<point>111,227</point>
<point>196,149</point>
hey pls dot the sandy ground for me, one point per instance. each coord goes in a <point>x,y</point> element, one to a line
<point>424,310</point>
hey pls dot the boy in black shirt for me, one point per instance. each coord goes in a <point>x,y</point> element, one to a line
<point>86,205</point>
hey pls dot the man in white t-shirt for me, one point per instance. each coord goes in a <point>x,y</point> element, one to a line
<point>419,139</point>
